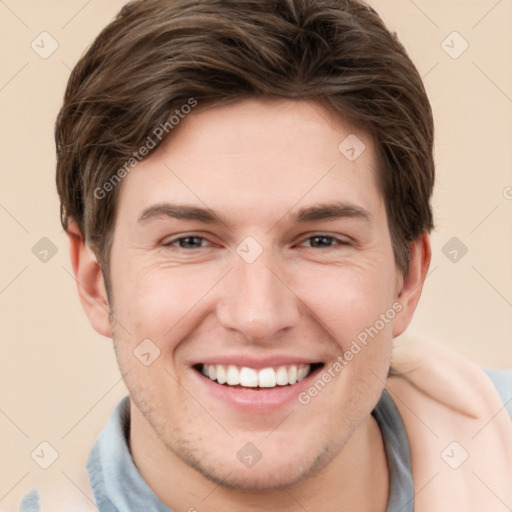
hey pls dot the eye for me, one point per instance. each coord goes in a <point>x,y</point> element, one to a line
<point>187,242</point>
<point>322,241</point>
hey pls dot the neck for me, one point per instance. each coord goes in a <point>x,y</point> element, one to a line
<point>357,477</point>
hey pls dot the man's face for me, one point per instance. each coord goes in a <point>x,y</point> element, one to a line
<point>250,241</point>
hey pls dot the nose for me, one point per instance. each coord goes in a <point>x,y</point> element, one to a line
<point>256,301</point>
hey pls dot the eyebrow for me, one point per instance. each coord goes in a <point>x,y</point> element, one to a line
<point>332,211</point>
<point>182,212</point>
<point>313,213</point>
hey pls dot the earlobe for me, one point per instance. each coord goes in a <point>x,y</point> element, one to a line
<point>409,296</point>
<point>90,281</point>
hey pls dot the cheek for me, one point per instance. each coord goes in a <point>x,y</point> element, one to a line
<point>158,302</point>
<point>347,300</point>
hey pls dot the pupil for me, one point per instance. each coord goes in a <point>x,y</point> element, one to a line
<point>321,241</point>
<point>190,241</point>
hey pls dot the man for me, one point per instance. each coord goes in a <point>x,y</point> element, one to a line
<point>246,187</point>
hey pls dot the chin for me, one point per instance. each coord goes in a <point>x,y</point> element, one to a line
<point>280,471</point>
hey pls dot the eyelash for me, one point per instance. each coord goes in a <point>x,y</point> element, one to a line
<point>337,241</point>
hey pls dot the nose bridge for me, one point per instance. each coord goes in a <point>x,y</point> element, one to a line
<point>256,301</point>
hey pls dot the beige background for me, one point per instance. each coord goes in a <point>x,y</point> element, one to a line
<point>59,380</point>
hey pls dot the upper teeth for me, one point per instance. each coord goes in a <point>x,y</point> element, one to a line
<point>252,378</point>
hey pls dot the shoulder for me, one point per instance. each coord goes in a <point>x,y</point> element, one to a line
<point>502,380</point>
<point>433,373</point>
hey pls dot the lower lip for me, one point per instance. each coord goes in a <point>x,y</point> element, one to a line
<point>255,399</point>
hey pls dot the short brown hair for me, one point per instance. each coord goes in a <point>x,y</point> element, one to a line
<point>157,55</point>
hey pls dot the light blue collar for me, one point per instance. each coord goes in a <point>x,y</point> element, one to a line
<point>115,481</point>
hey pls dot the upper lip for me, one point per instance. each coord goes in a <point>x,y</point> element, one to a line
<point>256,362</point>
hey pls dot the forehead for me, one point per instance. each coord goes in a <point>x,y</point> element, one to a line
<point>257,155</point>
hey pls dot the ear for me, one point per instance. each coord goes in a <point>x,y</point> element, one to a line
<point>90,282</point>
<point>412,283</point>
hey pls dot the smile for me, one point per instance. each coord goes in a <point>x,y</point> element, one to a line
<point>246,377</point>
